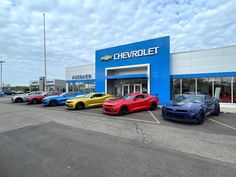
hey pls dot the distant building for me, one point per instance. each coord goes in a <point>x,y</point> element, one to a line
<point>52,85</point>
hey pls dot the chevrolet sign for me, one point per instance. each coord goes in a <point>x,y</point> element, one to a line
<point>132,54</point>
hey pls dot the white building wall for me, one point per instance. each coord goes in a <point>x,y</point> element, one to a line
<point>204,61</point>
<point>80,70</point>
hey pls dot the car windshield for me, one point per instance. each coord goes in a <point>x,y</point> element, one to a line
<point>127,97</point>
<point>189,98</point>
<point>88,95</point>
<point>64,94</point>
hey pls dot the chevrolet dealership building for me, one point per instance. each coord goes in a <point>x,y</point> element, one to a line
<point>149,67</point>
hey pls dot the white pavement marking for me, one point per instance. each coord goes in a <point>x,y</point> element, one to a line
<point>154,117</point>
<point>222,124</point>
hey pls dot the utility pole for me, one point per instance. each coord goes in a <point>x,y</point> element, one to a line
<point>45,56</point>
<point>1,61</point>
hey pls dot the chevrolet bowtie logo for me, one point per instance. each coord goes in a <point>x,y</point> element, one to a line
<point>106,58</point>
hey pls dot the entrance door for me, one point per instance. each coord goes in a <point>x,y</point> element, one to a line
<point>130,88</point>
<point>125,89</point>
<point>138,88</point>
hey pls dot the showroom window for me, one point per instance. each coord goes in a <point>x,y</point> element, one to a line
<point>204,86</point>
<point>188,85</point>
<point>222,89</point>
<point>175,88</point>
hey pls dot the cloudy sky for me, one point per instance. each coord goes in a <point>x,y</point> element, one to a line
<point>76,28</point>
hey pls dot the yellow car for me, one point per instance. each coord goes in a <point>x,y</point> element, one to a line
<point>87,101</point>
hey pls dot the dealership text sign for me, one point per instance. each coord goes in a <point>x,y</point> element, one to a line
<point>84,76</point>
<point>132,54</point>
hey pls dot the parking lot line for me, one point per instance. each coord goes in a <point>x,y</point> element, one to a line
<point>117,117</point>
<point>222,124</point>
<point>154,117</point>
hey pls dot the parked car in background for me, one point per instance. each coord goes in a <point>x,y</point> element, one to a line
<point>9,92</point>
<point>1,93</point>
<point>88,101</point>
<point>37,99</point>
<point>130,103</point>
<point>60,99</point>
<point>191,107</point>
<point>19,98</point>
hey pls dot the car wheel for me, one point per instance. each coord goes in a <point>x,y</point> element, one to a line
<point>201,117</point>
<point>34,101</point>
<point>163,113</point>
<point>53,103</point>
<point>80,106</point>
<point>124,110</point>
<point>18,100</point>
<point>217,110</point>
<point>153,106</point>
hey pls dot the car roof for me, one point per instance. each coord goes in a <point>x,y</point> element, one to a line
<point>195,95</point>
<point>137,93</point>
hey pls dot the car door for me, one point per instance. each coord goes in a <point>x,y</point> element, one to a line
<point>209,104</point>
<point>65,97</point>
<point>94,100</point>
<point>98,99</point>
<point>139,102</point>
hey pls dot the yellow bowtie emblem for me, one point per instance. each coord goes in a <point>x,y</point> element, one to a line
<point>106,58</point>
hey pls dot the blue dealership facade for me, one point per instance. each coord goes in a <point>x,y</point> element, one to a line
<point>149,67</point>
<point>151,60</point>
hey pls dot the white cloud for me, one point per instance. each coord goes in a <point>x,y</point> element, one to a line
<point>76,28</point>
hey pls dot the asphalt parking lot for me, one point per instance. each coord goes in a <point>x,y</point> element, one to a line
<point>53,141</point>
<point>223,124</point>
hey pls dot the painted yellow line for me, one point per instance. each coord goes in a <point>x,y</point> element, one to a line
<point>154,117</point>
<point>222,124</point>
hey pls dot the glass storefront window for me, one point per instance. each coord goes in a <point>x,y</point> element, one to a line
<point>222,89</point>
<point>204,86</point>
<point>82,87</point>
<point>175,88</point>
<point>188,85</point>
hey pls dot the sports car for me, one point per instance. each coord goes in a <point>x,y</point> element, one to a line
<point>130,103</point>
<point>60,99</point>
<point>87,101</point>
<point>191,107</point>
<point>36,99</point>
<point>22,97</point>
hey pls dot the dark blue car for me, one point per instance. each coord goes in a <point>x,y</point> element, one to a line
<point>191,107</point>
<point>60,99</point>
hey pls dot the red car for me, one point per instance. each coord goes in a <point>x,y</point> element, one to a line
<point>130,103</point>
<point>36,99</point>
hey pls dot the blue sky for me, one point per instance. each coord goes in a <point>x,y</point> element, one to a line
<point>76,28</point>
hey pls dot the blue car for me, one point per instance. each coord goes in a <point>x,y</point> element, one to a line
<point>9,92</point>
<point>1,93</point>
<point>191,108</point>
<point>60,99</point>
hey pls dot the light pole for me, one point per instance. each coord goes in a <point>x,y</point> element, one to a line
<point>1,61</point>
<point>45,56</point>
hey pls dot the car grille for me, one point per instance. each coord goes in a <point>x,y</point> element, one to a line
<point>107,105</point>
<point>176,110</point>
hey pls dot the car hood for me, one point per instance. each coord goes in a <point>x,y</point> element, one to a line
<point>36,96</point>
<point>183,105</point>
<point>79,99</point>
<point>116,101</point>
<point>53,97</point>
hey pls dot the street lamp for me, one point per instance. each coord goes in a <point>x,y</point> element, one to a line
<point>45,56</point>
<point>1,62</point>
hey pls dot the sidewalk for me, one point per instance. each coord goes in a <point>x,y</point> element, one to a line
<point>228,108</point>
